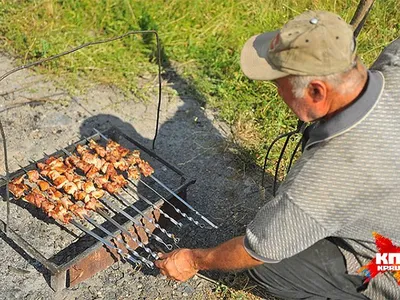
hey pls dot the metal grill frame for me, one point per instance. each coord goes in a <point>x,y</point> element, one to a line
<point>97,256</point>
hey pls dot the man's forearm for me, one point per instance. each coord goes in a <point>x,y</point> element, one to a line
<point>230,255</point>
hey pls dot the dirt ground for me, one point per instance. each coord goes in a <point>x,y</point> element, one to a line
<point>39,117</point>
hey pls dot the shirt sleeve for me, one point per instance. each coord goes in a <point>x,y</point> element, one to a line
<point>280,230</point>
<point>389,58</point>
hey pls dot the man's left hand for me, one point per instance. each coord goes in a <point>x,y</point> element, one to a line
<point>179,264</point>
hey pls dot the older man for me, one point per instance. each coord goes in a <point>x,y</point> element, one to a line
<point>310,240</point>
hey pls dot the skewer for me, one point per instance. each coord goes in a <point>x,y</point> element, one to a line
<point>137,223</point>
<point>147,262</point>
<point>184,202</point>
<point>151,221</point>
<point>105,242</point>
<point>140,196</point>
<point>128,204</point>
<point>97,237</point>
<point>170,191</point>
<point>118,210</point>
<point>168,217</point>
<point>125,231</point>
<point>108,218</point>
<point>183,214</point>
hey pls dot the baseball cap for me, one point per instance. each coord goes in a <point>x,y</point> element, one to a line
<point>314,43</point>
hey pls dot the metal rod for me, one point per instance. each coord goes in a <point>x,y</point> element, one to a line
<point>268,151</point>
<point>171,191</point>
<point>168,246</point>
<point>141,213</point>
<point>293,155</point>
<point>184,202</point>
<point>105,242</point>
<point>118,239</point>
<point>159,90</point>
<point>183,214</point>
<point>155,224</point>
<point>125,231</point>
<point>137,223</point>
<point>179,224</point>
<point>140,196</point>
<point>279,163</point>
<point>7,177</point>
<point>35,63</point>
<point>75,223</point>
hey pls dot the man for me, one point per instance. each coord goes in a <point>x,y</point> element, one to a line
<point>310,240</point>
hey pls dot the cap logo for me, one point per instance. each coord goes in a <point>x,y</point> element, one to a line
<point>275,42</point>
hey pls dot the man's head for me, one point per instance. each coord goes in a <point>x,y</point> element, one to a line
<point>312,60</point>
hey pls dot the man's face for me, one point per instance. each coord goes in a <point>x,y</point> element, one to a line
<point>302,107</point>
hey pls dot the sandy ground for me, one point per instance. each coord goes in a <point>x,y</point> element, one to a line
<point>226,190</point>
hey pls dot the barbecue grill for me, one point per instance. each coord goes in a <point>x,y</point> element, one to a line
<point>132,225</point>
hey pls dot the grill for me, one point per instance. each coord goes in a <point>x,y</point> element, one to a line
<point>132,225</point>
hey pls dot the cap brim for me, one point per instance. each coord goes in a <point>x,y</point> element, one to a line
<point>253,59</point>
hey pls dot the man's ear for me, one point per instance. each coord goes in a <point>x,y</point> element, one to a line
<point>317,91</point>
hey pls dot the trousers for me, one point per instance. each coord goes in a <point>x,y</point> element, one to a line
<point>319,272</point>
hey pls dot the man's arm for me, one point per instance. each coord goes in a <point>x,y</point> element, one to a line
<point>183,264</point>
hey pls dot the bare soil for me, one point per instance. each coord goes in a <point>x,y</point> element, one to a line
<point>40,117</point>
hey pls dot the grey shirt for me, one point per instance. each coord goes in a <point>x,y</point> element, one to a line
<point>346,183</point>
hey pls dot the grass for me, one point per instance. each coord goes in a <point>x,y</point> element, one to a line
<point>202,37</point>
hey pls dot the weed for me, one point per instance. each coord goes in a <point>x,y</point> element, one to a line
<point>203,37</point>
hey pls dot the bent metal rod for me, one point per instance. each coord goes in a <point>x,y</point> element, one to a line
<point>129,204</point>
<point>147,262</point>
<point>168,217</point>
<point>170,191</point>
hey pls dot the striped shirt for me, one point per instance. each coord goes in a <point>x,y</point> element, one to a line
<point>346,184</point>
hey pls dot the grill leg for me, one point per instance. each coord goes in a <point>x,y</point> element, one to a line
<point>58,281</point>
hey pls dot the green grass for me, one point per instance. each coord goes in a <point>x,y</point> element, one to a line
<point>202,37</point>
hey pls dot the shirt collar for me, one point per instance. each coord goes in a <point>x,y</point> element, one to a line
<point>351,116</point>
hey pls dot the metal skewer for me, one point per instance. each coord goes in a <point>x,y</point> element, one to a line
<point>125,231</point>
<point>184,202</point>
<point>183,214</point>
<point>170,191</point>
<point>149,263</point>
<point>168,217</point>
<point>137,223</point>
<point>126,203</point>
<point>108,218</point>
<point>105,242</point>
<point>140,196</point>
<point>97,237</point>
<point>118,210</point>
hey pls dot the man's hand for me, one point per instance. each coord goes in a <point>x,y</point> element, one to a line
<point>185,263</point>
<point>178,264</point>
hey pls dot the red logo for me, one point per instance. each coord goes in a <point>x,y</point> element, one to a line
<point>275,42</point>
<point>386,260</point>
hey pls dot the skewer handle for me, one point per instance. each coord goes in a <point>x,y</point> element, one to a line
<point>155,224</point>
<point>184,202</point>
<point>173,206</point>
<point>157,238</point>
<point>168,217</point>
